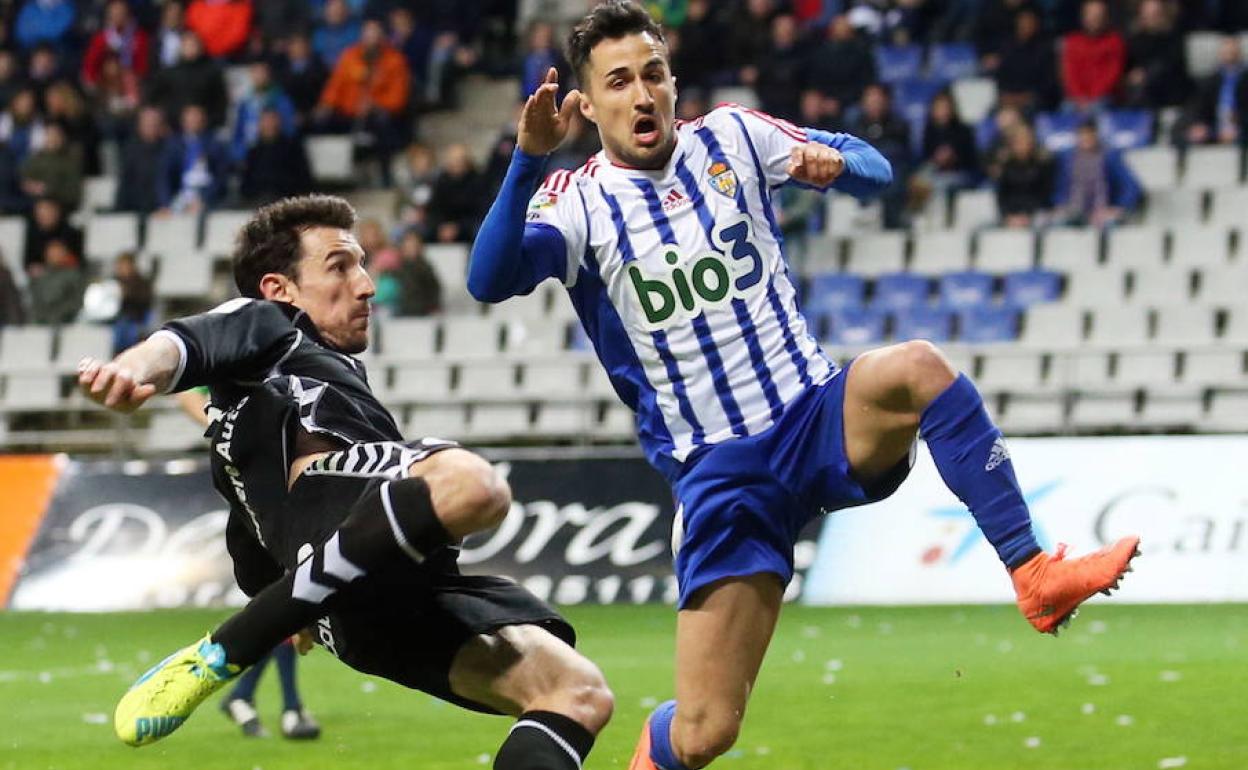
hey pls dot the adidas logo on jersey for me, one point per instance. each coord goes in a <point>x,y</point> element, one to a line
<point>674,200</point>
<point>999,454</point>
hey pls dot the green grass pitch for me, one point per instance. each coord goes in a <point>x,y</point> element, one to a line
<point>937,688</point>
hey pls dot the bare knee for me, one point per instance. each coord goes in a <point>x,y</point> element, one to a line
<point>586,698</point>
<point>699,735</point>
<point>468,494</point>
<point>926,372</point>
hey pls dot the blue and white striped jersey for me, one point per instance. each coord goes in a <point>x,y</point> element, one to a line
<point>679,278</point>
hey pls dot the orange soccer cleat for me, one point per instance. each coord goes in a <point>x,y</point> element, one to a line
<point>641,755</point>
<point>1050,588</point>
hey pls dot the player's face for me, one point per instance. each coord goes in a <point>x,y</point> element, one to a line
<point>334,288</point>
<point>631,94</point>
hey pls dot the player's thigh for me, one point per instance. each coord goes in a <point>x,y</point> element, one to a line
<point>885,394</point>
<point>721,638</point>
<point>523,668</point>
<point>468,494</point>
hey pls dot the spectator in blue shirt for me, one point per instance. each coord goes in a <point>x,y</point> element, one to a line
<point>1218,111</point>
<point>196,166</point>
<point>44,21</point>
<point>1094,186</point>
<point>336,34</point>
<point>264,95</point>
<point>543,54</point>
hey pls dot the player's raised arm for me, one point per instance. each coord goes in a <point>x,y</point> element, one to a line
<point>510,257</point>
<point>134,376</point>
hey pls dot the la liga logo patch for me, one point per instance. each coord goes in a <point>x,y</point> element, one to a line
<point>723,179</point>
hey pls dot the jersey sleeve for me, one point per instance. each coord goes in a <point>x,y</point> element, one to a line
<point>558,208</point>
<point>771,139</point>
<point>242,339</point>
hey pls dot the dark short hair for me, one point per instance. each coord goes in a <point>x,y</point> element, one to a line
<point>269,242</point>
<point>611,20</point>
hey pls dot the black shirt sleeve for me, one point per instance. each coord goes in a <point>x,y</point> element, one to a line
<point>241,340</point>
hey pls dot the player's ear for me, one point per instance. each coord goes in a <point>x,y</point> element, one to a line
<point>587,109</point>
<point>276,287</point>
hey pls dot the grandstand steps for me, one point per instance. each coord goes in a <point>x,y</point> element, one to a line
<point>486,107</point>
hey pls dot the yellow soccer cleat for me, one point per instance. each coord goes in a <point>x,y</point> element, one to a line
<point>163,698</point>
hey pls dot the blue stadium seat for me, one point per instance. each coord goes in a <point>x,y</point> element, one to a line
<point>834,291</point>
<point>953,61</point>
<point>899,62</point>
<point>985,133</point>
<point>862,326</point>
<point>1032,287</point>
<point>1056,130</point>
<point>923,323</point>
<point>897,291</point>
<point>911,97</point>
<point>1126,129</point>
<point>988,324</point>
<point>967,289</point>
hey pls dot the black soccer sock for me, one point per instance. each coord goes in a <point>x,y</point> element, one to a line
<point>393,525</point>
<point>544,740</point>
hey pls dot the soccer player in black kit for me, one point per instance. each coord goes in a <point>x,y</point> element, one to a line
<point>336,522</point>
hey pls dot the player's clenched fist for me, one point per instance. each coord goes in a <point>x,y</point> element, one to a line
<point>815,164</point>
<point>112,385</point>
<point>542,125</point>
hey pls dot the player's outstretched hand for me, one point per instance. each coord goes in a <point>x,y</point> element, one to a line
<point>542,126</point>
<point>112,386</point>
<point>815,164</point>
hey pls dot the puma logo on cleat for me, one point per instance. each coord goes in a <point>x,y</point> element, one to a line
<point>999,454</point>
<point>155,727</point>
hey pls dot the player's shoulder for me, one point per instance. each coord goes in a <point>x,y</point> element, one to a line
<point>276,312</point>
<point>730,115</point>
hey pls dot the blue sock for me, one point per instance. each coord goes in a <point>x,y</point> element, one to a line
<point>973,461</point>
<point>285,657</point>
<point>661,752</point>
<point>245,689</point>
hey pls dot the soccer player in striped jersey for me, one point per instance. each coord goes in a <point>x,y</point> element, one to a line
<point>668,244</point>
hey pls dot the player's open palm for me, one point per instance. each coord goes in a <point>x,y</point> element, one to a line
<point>815,164</point>
<point>112,386</point>
<point>543,125</point>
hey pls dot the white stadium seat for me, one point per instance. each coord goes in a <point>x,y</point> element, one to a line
<point>79,340</point>
<point>1228,412</point>
<point>1033,414</point>
<point>1179,206</point>
<point>449,421</point>
<point>1169,284</point>
<point>1103,412</point>
<point>221,229</point>
<point>487,380</point>
<point>1048,325</point>
<point>1212,166</point>
<point>173,431</point>
<point>25,348</point>
<point>1084,370</point>
<point>1171,411</point>
<point>1194,245</point>
<point>1213,368</point>
<point>450,262</point>
<point>1202,53</point>
<point>1095,287</point>
<point>428,381</point>
<point>176,235</point>
<point>618,422</point>
<point>13,246</point>
<point>564,420</point>
<point>1229,207</point>
<point>31,391</point>
<point>499,421</point>
<point>560,379</point>
<point>189,275</point>
<point>1012,370</point>
<point>470,338</point>
<point>874,254</point>
<point>1119,325</point>
<point>1225,286</point>
<point>99,193</point>
<point>332,158</point>
<point>1135,246</point>
<point>1157,168</point>
<point>1069,249</point>
<point>1185,324</point>
<point>408,339</point>
<point>536,338</point>
<point>975,98</point>
<point>975,208</point>
<point>941,251</point>
<point>1005,250</point>
<point>1141,368</point>
<point>107,235</point>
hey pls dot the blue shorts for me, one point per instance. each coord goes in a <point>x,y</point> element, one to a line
<point>741,504</point>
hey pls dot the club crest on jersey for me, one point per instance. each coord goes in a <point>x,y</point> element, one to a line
<point>723,179</point>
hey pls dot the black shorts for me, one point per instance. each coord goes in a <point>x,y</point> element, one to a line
<point>405,625</point>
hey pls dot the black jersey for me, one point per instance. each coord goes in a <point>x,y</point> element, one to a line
<point>270,375</point>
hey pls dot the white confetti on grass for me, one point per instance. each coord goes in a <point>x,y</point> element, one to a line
<point>45,677</point>
<point>1088,708</point>
<point>1005,645</point>
<point>95,718</point>
<point>854,621</point>
<point>811,632</point>
<point>1032,743</point>
<point>1097,627</point>
<point>1018,716</point>
<point>1124,720</point>
<point>368,687</point>
<point>1169,763</point>
<point>990,719</point>
<point>762,751</point>
<point>1170,676</point>
<point>829,678</point>
<point>799,656</point>
<point>835,664</point>
<point>1098,680</point>
<point>483,759</point>
<point>649,702</point>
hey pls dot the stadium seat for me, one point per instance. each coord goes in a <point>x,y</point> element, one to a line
<point>941,251</point>
<point>1083,370</point>
<point>187,275</point>
<point>1033,414</point>
<point>745,96</point>
<point>1212,166</point>
<point>1236,330</point>
<point>1070,249</point>
<point>823,252</point>
<point>173,431</point>
<point>31,391</point>
<point>1103,412</point>
<point>1053,325</point>
<point>332,158</point>
<point>1012,370</point>
<point>450,262</point>
<point>487,380</point>
<point>107,235</point>
<point>598,385</point>
<point>1143,368</point>
<point>1194,245</point>
<point>1202,53</point>
<point>25,348</point>
<point>448,421</point>
<point>406,339</point>
<point>922,323</point>
<point>966,289</point>
<point>952,61</point>
<point>1056,130</point>
<point>911,97</point>
<point>1212,368</point>
<point>79,340</point>
<point>1031,287</point>
<point>1004,250</point>
<point>1228,206</point>
<point>174,235</point>
<point>1228,412</point>
<point>1119,325</point>
<point>974,97</point>
<point>499,421</point>
<point>1097,286</point>
<point>974,208</point>
<point>530,307</point>
<point>898,291</point>
<point>1156,168</point>
<point>564,420</point>
<point>430,381</point>
<point>895,63</point>
<point>1178,207</point>
<point>1126,129</point>
<point>988,324</point>
<point>863,326</point>
<point>13,246</point>
<point>834,291</point>
<point>99,193</point>
<point>1173,410</point>
<point>471,338</point>
<point>1135,246</point>
<point>847,216</point>
<point>1161,285</point>
<point>220,230</point>
<point>557,378</point>
<point>1224,286</point>
<point>618,422</point>
<point>874,254</point>
<point>536,338</point>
